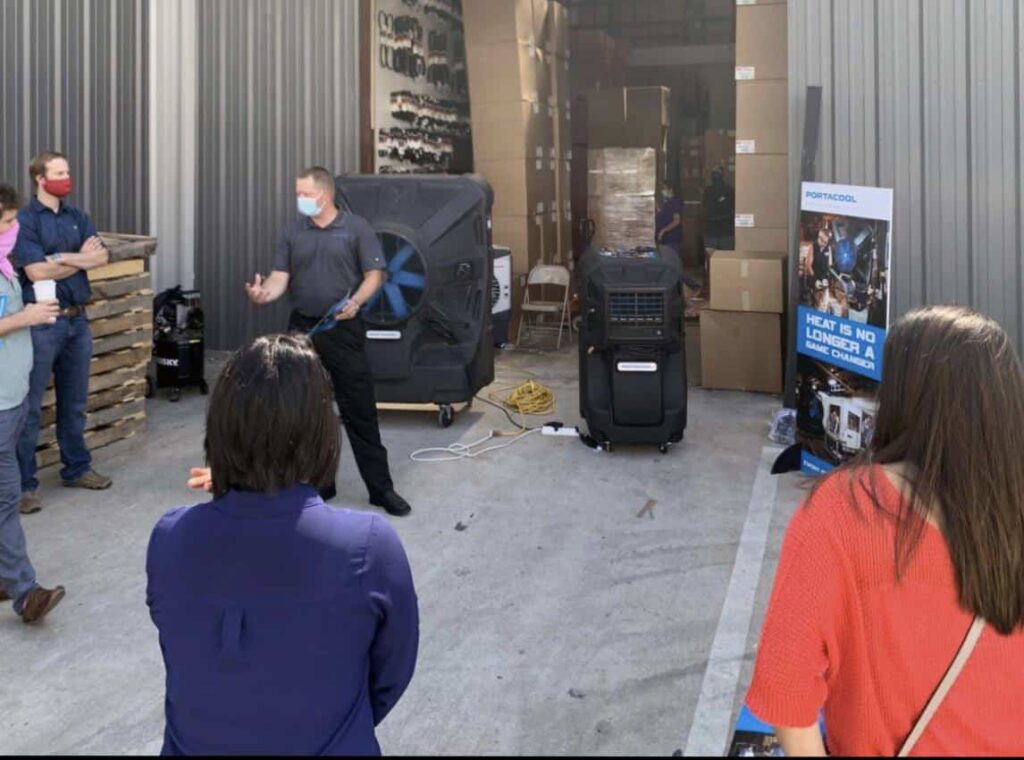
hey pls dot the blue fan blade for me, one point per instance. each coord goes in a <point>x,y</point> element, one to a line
<point>409,280</point>
<point>401,258</point>
<point>373,301</point>
<point>397,302</point>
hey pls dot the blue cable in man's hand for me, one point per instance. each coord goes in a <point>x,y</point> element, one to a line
<point>329,321</point>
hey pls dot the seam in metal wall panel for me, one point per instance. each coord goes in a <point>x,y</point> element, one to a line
<point>70,67</point>
<point>278,91</point>
<point>926,97</point>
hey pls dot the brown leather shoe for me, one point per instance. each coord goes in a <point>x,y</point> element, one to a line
<point>30,503</point>
<point>92,480</point>
<point>39,602</point>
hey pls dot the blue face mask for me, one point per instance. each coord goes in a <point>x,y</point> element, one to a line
<point>309,207</point>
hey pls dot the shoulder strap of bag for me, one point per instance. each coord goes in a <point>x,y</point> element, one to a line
<point>955,668</point>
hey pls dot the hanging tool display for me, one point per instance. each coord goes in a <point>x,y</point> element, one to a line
<point>401,45</point>
<point>429,151</point>
<point>443,117</point>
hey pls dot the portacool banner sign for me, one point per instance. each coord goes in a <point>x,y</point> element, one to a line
<point>842,318</point>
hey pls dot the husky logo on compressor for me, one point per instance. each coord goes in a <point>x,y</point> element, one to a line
<point>815,195</point>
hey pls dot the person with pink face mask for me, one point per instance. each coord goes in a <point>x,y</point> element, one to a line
<point>17,577</point>
<point>58,242</point>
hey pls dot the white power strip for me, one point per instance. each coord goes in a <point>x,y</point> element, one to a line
<point>569,431</point>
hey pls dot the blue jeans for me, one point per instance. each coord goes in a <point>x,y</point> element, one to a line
<point>17,577</point>
<point>64,350</point>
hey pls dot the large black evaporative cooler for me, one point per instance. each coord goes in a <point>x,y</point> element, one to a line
<point>429,330</point>
<point>632,352</point>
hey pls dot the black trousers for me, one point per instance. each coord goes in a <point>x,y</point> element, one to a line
<point>343,352</point>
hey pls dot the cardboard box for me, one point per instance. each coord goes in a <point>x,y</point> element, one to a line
<point>543,24</point>
<point>510,130</point>
<point>524,235</point>
<point>521,186</point>
<point>762,117</point>
<point>503,72</point>
<point>741,351</point>
<point>762,239</point>
<point>488,21</point>
<point>762,191</point>
<point>762,42</point>
<point>559,30</point>
<point>747,281</point>
<point>560,86</point>
<point>552,249</point>
<point>629,106</point>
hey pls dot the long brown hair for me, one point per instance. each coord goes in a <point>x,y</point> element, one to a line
<point>271,421</point>
<point>951,409</point>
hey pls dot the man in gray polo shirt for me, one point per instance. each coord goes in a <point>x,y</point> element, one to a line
<point>323,258</point>
<point>17,577</point>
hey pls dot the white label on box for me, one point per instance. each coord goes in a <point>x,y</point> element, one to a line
<point>744,220</point>
<point>383,335</point>
<point>746,300</point>
<point>746,147</point>
<point>540,164</point>
<point>554,216</point>
<point>536,108</point>
<point>569,155</point>
<point>744,269</point>
<point>746,2</point>
<point>540,209</point>
<point>745,73</point>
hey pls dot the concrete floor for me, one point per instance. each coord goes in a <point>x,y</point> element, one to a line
<point>555,585</point>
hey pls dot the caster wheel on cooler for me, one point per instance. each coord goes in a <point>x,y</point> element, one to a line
<point>663,448</point>
<point>608,448</point>
<point>175,395</point>
<point>446,417</point>
<point>204,387</point>
<point>150,387</point>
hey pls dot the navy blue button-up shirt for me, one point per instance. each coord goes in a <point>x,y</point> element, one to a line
<point>44,233</point>
<point>287,627</point>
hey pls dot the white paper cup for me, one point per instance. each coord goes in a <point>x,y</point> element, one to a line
<point>45,290</point>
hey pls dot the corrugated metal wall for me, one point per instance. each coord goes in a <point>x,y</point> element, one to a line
<point>278,91</point>
<point>73,79</point>
<point>925,96</point>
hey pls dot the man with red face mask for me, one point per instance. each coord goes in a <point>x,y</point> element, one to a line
<point>58,242</point>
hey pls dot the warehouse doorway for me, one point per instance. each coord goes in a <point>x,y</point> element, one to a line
<point>660,75</point>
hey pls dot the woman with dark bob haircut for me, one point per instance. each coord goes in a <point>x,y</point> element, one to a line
<point>287,627</point>
<point>898,606</point>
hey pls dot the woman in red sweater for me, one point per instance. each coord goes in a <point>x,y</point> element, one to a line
<point>890,560</point>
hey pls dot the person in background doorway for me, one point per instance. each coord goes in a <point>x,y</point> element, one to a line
<point>898,555</point>
<point>17,576</point>
<point>720,210</point>
<point>324,257</point>
<point>287,627</point>
<point>58,242</point>
<point>669,228</point>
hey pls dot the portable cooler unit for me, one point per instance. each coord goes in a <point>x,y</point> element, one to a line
<point>632,352</point>
<point>429,329</point>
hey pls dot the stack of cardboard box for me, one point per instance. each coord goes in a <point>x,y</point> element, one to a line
<point>762,126</point>
<point>512,128</point>
<point>740,334</point>
<point>598,62</point>
<point>517,52</point>
<point>628,140</point>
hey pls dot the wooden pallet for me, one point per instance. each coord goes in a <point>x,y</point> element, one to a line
<point>112,307</point>
<point>137,338</point>
<point>122,246</point>
<point>100,418</point>
<point>122,286</point>
<point>124,375</point>
<point>96,439</point>
<point>129,268</point>
<point>104,399</point>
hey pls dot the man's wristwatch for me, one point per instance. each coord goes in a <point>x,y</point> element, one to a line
<point>58,258</point>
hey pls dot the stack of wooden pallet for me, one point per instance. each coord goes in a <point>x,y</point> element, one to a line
<point>121,319</point>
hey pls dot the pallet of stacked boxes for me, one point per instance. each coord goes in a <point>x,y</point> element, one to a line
<point>121,319</point>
